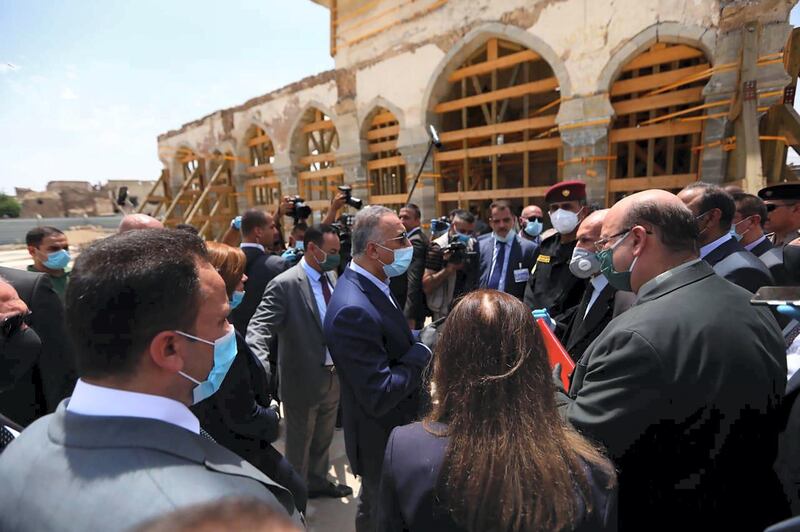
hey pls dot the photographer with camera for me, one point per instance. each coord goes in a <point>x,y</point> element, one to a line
<point>452,265</point>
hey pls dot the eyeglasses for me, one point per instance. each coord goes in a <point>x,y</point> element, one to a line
<point>402,238</point>
<point>772,206</point>
<point>534,218</point>
<point>12,324</point>
<point>601,244</point>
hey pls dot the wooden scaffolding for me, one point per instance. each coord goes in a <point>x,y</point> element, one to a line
<point>321,175</point>
<point>386,167</point>
<point>263,187</point>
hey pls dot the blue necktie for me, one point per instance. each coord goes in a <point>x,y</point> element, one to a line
<point>494,280</point>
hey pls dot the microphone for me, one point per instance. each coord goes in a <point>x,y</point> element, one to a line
<point>434,135</point>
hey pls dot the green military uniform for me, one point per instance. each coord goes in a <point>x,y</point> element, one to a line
<point>59,283</point>
<point>551,284</point>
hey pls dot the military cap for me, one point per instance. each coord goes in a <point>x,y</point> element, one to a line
<point>566,191</point>
<point>781,191</point>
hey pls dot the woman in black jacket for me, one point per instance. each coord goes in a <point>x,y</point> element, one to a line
<point>494,453</point>
<point>238,416</point>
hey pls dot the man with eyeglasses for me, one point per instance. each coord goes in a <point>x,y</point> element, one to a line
<point>531,223</point>
<point>783,211</point>
<point>551,285</point>
<point>684,387</point>
<point>748,229</point>
<point>378,359</point>
<point>714,210</point>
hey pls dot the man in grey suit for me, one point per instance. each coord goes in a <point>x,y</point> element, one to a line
<point>293,308</point>
<point>683,389</point>
<point>147,314</point>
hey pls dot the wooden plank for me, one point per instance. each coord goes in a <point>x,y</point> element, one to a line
<point>654,81</point>
<point>262,182</point>
<point>507,61</point>
<point>664,55</point>
<point>386,117</point>
<point>255,141</point>
<point>629,134</point>
<point>386,163</point>
<point>493,194</point>
<point>542,122</point>
<point>319,205</point>
<point>502,149</point>
<point>318,126</point>
<point>320,174</point>
<point>384,132</point>
<point>534,87</point>
<point>378,147</point>
<point>260,169</point>
<point>387,199</point>
<point>318,158</point>
<point>634,184</point>
<point>659,101</point>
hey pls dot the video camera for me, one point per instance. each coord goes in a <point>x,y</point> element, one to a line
<point>344,227</point>
<point>355,203</point>
<point>459,252</point>
<point>439,226</point>
<point>300,211</point>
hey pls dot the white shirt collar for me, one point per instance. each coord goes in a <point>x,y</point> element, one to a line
<point>711,246</point>
<point>383,286</point>
<point>252,245</point>
<point>751,245</point>
<point>91,400</point>
<point>414,231</point>
<point>311,272</point>
<point>599,282</point>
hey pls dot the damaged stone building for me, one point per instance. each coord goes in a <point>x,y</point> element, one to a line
<point>625,95</point>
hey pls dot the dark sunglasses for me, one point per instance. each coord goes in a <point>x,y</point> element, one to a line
<point>534,218</point>
<point>12,324</point>
<point>772,206</point>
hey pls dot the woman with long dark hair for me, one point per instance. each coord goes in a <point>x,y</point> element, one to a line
<point>493,454</point>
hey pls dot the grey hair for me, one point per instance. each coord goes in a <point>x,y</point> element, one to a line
<point>365,228</point>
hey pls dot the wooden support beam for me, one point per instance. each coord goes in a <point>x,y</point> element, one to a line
<point>389,162</point>
<point>383,133</point>
<point>260,169</point>
<point>318,126</point>
<point>748,146</point>
<point>507,61</point>
<point>543,122</point>
<point>318,158</point>
<point>636,184</point>
<point>655,81</point>
<point>664,55</point>
<point>320,174</point>
<point>262,182</point>
<point>256,141</point>
<point>493,194</point>
<point>660,101</point>
<point>533,87</point>
<point>385,117</point>
<point>379,147</point>
<point>387,199</point>
<point>488,151</point>
<point>670,129</point>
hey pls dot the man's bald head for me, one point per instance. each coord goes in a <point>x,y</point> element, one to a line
<point>133,222</point>
<point>590,229</point>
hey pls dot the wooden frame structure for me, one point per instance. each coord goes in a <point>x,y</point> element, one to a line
<point>161,200</point>
<point>386,168</point>
<point>320,176</point>
<point>654,132</point>
<point>262,187</point>
<point>499,133</point>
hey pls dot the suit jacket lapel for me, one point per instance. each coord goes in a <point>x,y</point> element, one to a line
<point>722,251</point>
<point>596,313</point>
<point>308,294</point>
<point>377,297</point>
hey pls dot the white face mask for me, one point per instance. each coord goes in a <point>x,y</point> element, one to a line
<point>564,221</point>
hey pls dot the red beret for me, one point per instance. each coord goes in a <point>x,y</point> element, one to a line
<point>566,191</point>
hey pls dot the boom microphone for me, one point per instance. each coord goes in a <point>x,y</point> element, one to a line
<point>434,136</point>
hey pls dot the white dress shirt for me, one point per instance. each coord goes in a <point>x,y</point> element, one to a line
<point>711,246</point>
<point>599,282</point>
<point>252,245</point>
<point>751,245</point>
<point>91,400</point>
<point>383,286</point>
<point>502,284</point>
<point>316,280</point>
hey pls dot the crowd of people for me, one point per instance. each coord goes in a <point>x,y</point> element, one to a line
<point>144,388</point>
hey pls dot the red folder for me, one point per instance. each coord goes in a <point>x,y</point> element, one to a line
<point>556,352</point>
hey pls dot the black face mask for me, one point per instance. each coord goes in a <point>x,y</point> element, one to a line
<point>17,355</point>
<point>791,259</point>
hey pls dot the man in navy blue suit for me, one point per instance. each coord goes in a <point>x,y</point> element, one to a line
<point>506,260</point>
<point>377,357</point>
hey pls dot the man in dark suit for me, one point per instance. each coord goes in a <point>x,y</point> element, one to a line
<point>407,289</point>
<point>748,228</point>
<point>579,326</point>
<point>783,211</point>
<point>714,210</point>
<point>52,376</point>
<point>258,235</point>
<point>683,389</point>
<point>505,259</point>
<point>378,360</point>
<point>147,313</point>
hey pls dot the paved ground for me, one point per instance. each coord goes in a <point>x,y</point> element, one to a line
<point>323,515</point>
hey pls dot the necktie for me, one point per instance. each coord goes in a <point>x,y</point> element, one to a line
<point>6,437</point>
<point>587,296</point>
<point>494,280</point>
<point>206,435</point>
<point>326,289</point>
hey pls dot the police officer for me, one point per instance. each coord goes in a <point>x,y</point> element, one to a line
<point>551,285</point>
<point>783,211</point>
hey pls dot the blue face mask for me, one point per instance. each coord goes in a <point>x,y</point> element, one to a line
<point>736,235</point>
<point>402,259</point>
<point>462,237</point>
<point>236,299</point>
<point>224,354</point>
<point>57,260</point>
<point>533,228</point>
<point>299,245</point>
<point>506,239</point>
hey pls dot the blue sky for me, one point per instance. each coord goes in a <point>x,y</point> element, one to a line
<point>87,85</point>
